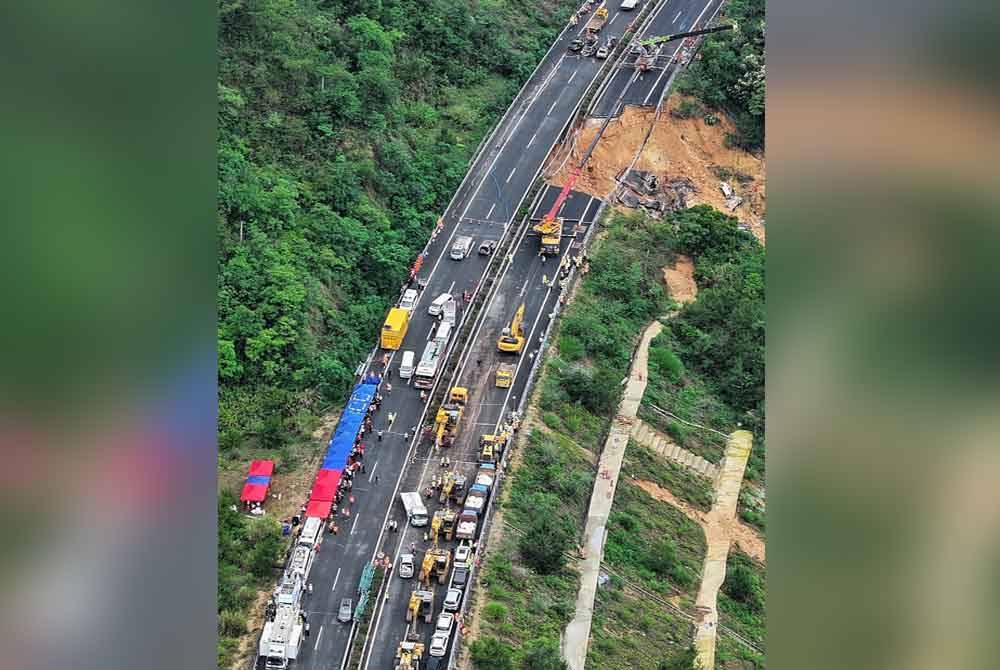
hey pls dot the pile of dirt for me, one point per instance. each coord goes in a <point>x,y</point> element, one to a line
<point>680,280</point>
<point>687,152</point>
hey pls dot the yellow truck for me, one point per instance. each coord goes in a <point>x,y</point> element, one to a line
<point>505,375</point>
<point>394,328</point>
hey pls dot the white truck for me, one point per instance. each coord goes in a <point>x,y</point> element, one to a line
<point>423,376</point>
<point>281,640</point>
<point>450,312</point>
<point>416,513</point>
<point>312,531</point>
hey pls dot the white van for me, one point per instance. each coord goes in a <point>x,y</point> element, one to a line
<point>409,299</point>
<point>461,248</point>
<point>437,306</point>
<point>629,4</point>
<point>416,513</point>
<point>442,334</point>
<point>406,366</point>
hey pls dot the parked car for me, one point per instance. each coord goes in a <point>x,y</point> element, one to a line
<point>409,299</point>
<point>452,600</point>
<point>487,247</point>
<point>439,644</point>
<point>602,53</point>
<point>445,622</point>
<point>406,566</point>
<point>575,45</point>
<point>346,612</point>
<point>459,578</point>
<point>588,50</point>
<point>462,555</point>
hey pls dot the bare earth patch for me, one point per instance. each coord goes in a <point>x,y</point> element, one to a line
<point>680,280</point>
<point>687,149</point>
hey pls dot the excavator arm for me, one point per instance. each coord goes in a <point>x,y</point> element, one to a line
<point>653,41</point>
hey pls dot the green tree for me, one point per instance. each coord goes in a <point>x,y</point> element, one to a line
<point>489,653</point>
<point>544,542</point>
<point>542,654</point>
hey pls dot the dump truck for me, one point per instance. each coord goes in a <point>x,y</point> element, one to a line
<point>448,416</point>
<point>486,475</point>
<point>511,338</point>
<point>409,653</point>
<point>505,375</point>
<point>394,328</point>
<point>598,20</point>
<point>476,500</point>
<point>468,520</point>
<point>421,606</point>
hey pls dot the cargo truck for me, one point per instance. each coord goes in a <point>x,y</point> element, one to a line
<point>476,500</point>
<point>394,328</point>
<point>465,529</point>
<point>423,377</point>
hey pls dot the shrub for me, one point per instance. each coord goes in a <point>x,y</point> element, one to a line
<point>495,611</point>
<point>489,653</point>
<point>570,348</point>
<point>232,624</point>
<point>678,432</point>
<point>542,654</point>
<point>543,544</point>
<point>744,586</point>
<point>685,110</point>
<point>552,420</point>
<point>666,364</point>
<point>662,558</point>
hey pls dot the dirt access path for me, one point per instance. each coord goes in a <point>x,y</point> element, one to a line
<point>577,636</point>
<point>678,149</point>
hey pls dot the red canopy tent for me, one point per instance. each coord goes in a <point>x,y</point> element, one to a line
<point>325,487</point>
<point>319,508</point>
<point>254,493</point>
<point>265,468</point>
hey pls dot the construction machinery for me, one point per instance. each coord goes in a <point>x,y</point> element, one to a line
<point>421,606</point>
<point>443,522</point>
<point>505,375</point>
<point>491,447</point>
<point>645,59</point>
<point>447,486</point>
<point>409,653</point>
<point>436,563</point>
<point>511,339</point>
<point>448,416</point>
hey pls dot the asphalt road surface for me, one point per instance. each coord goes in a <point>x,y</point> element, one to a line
<point>482,208</point>
<point>526,279</point>
<point>673,16</point>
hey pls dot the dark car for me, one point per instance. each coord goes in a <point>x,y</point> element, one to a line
<point>459,578</point>
<point>346,612</point>
<point>487,247</point>
<point>576,45</point>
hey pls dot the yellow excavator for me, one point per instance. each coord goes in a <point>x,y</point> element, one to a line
<point>409,653</point>
<point>442,522</point>
<point>447,484</point>
<point>421,605</point>
<point>512,337</point>
<point>436,564</point>
<point>448,416</point>
<point>490,447</point>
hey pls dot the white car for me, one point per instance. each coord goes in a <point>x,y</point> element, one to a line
<point>439,644</point>
<point>452,600</point>
<point>445,621</point>
<point>462,555</point>
<point>409,299</point>
<point>406,566</point>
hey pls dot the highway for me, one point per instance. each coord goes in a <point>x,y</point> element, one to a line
<point>526,279</point>
<point>483,207</point>
<point>673,16</point>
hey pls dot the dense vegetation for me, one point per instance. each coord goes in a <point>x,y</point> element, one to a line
<point>731,73</point>
<point>344,128</point>
<point>742,600</point>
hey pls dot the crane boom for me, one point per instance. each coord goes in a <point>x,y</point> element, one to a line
<point>692,33</point>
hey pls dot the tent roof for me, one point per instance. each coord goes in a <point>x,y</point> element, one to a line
<point>325,486</point>
<point>319,508</point>
<point>254,493</point>
<point>261,468</point>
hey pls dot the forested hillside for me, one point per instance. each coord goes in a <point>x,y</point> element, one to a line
<point>344,128</point>
<point>730,73</point>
